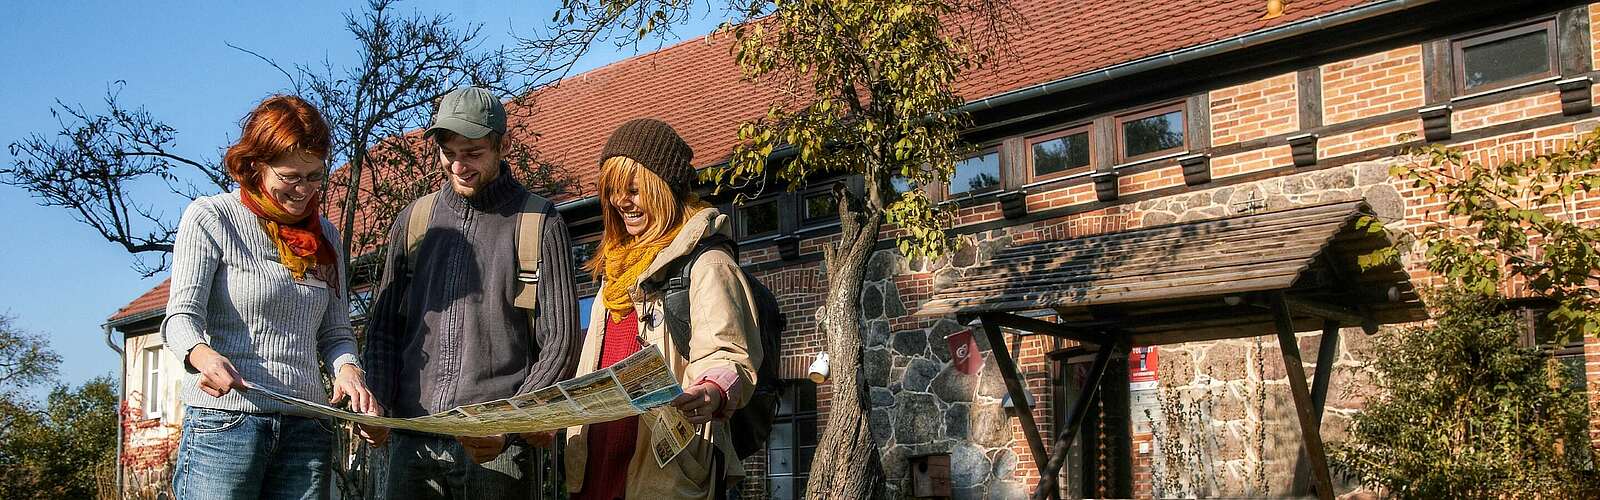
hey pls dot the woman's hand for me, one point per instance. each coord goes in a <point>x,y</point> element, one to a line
<point>217,375</point>
<point>351,383</point>
<point>700,402</point>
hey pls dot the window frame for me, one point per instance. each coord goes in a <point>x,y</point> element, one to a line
<point>1000,174</point>
<point>800,207</point>
<point>797,413</point>
<point>151,382</point>
<point>578,273</point>
<point>743,222</point>
<point>1120,140</point>
<point>1031,174</point>
<point>1458,60</point>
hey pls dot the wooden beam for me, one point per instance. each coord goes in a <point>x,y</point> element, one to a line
<point>1039,326</point>
<point>1327,354</point>
<point>1309,426</point>
<point>1324,310</point>
<point>1075,416</point>
<point>1014,387</point>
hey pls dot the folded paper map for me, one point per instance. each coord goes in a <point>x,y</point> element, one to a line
<point>630,387</point>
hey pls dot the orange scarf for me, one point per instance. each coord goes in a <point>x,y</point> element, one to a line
<point>623,266</point>
<point>300,241</point>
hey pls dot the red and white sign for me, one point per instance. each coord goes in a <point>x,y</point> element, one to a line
<point>964,351</point>
<point>1142,368</point>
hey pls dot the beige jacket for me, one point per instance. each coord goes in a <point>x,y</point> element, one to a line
<point>724,335</point>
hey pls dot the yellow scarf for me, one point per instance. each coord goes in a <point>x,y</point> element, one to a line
<point>300,247</point>
<point>623,266</point>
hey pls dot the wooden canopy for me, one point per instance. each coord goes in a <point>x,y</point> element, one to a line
<point>1197,280</point>
<point>1242,276</point>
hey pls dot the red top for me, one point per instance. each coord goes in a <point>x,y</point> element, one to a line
<point>611,443</point>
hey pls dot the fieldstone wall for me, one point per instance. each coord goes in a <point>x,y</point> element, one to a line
<point>1229,426</point>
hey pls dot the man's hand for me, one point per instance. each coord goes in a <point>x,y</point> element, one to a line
<point>698,403</point>
<point>217,375</point>
<point>375,436</point>
<point>539,439</point>
<point>483,449</point>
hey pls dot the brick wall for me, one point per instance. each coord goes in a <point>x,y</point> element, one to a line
<point>1254,110</point>
<point>1372,85</point>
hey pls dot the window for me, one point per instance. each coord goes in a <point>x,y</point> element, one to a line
<point>1151,133</point>
<point>818,207</point>
<point>1540,332</point>
<point>758,219</point>
<point>1059,154</point>
<point>793,441</point>
<point>1505,57</point>
<point>151,385</point>
<point>582,251</point>
<point>975,175</point>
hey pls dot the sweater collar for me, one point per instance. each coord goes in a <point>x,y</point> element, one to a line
<point>494,195</point>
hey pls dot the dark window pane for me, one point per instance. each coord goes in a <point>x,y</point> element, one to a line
<point>805,395</point>
<point>976,174</point>
<point>805,431</point>
<point>1574,374</point>
<point>759,219</point>
<point>1507,59</point>
<point>803,461</point>
<point>780,462</point>
<point>1151,134</point>
<point>1060,154</point>
<point>782,435</point>
<point>782,488</point>
<point>820,206</point>
<point>581,252</point>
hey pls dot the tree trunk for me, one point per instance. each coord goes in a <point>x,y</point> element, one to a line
<point>347,226</point>
<point>847,465</point>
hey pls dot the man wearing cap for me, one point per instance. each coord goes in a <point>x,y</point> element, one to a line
<point>444,329</point>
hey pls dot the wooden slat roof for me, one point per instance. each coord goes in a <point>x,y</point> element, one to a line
<point>1184,269</point>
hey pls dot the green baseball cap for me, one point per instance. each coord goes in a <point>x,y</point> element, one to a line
<point>470,111</point>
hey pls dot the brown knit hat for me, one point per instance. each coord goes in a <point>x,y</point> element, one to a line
<point>655,145</point>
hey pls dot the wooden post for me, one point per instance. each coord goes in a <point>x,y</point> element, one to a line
<point>1014,387</point>
<point>1309,425</point>
<point>1327,354</point>
<point>1080,409</point>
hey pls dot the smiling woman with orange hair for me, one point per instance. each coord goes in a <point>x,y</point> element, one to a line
<point>651,219</point>
<point>256,301</point>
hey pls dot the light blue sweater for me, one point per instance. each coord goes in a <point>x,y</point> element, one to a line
<point>229,291</point>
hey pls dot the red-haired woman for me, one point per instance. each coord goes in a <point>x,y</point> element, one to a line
<point>651,218</point>
<point>256,302</point>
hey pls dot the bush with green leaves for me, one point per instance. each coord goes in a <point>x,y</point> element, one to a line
<point>1465,411</point>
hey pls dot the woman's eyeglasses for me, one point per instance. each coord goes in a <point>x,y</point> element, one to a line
<point>317,180</point>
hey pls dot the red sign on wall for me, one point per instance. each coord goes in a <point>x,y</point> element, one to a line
<point>1142,368</point>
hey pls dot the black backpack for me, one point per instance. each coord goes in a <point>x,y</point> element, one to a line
<point>752,423</point>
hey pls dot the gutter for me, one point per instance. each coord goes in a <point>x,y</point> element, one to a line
<point>122,363</point>
<point>1195,53</point>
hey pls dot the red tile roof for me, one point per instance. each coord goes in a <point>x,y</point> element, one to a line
<point>153,300</point>
<point>696,87</point>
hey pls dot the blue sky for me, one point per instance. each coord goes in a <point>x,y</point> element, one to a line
<point>61,279</point>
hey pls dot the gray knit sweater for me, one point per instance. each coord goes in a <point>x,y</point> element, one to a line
<point>229,291</point>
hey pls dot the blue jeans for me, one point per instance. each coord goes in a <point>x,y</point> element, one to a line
<point>227,454</point>
<point>431,467</point>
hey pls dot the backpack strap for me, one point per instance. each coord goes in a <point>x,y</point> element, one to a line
<point>675,298</point>
<point>417,226</point>
<point>530,233</point>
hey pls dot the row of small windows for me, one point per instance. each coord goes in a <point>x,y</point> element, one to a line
<point>1481,62</point>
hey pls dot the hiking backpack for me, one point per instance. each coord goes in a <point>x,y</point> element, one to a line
<point>530,224</point>
<point>751,424</point>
